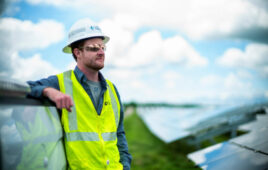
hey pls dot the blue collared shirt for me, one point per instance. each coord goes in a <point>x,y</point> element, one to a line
<point>37,88</point>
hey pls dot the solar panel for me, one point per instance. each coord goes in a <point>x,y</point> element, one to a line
<point>246,152</point>
<point>202,123</point>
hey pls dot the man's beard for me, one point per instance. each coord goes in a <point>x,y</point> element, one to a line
<point>95,66</point>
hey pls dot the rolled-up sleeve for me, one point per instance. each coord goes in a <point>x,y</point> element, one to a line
<point>125,157</point>
<point>38,86</point>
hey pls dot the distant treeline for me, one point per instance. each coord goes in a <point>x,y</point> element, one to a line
<point>161,104</point>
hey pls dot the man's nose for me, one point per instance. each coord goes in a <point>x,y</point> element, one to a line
<point>101,51</point>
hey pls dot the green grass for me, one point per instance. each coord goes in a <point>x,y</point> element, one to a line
<point>150,153</point>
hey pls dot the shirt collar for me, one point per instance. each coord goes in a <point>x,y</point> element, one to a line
<point>81,77</point>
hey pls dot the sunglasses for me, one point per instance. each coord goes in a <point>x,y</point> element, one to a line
<point>94,47</point>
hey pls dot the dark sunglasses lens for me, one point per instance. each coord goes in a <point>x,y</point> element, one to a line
<point>93,49</point>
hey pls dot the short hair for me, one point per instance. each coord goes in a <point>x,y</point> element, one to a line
<point>77,44</point>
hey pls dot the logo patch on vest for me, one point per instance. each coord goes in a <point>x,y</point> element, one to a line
<point>107,103</point>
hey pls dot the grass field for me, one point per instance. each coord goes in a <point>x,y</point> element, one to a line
<point>150,153</point>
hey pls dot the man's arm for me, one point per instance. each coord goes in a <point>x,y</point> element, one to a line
<point>60,99</point>
<point>38,86</point>
<point>125,157</point>
<point>49,88</point>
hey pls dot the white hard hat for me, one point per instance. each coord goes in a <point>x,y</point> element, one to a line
<point>83,29</point>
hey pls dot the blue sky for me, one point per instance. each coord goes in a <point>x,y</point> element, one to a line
<point>171,51</point>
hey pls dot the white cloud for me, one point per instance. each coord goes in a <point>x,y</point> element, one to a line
<point>211,80</point>
<point>177,50</point>
<point>122,74</point>
<point>171,75</point>
<point>231,86</point>
<point>150,48</point>
<point>146,51</point>
<point>25,35</point>
<point>168,85</point>
<point>32,68</point>
<point>137,85</point>
<point>232,82</point>
<point>17,36</point>
<point>50,2</point>
<point>244,74</point>
<point>253,57</point>
<point>171,79</point>
<point>198,19</point>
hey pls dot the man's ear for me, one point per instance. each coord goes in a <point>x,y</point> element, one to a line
<point>77,52</point>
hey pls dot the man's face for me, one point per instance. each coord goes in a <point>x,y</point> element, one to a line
<point>91,55</point>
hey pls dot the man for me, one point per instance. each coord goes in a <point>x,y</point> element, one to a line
<point>92,113</point>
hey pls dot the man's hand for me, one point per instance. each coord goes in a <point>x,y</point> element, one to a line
<point>60,99</point>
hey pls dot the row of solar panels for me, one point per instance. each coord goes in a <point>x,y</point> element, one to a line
<point>196,125</point>
<point>246,152</point>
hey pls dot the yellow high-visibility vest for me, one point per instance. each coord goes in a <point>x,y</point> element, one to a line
<point>90,139</point>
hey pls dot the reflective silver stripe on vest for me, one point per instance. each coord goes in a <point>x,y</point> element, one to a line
<point>69,90</point>
<point>82,136</point>
<point>109,136</point>
<point>114,105</point>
